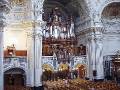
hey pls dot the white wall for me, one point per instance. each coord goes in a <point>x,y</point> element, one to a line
<point>111,44</point>
<point>16,37</point>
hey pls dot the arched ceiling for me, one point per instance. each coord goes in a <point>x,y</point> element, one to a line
<point>76,8</point>
<point>15,71</point>
<point>63,2</point>
<point>112,10</point>
<point>111,17</point>
<point>65,7</point>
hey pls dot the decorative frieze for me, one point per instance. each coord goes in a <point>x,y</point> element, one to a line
<point>82,25</point>
<point>91,30</point>
<point>3,10</point>
<point>111,37</point>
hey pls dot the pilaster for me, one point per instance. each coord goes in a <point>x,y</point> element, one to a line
<point>3,10</point>
<point>95,53</point>
<point>34,50</point>
<point>1,58</point>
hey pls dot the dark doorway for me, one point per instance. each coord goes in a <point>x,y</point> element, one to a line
<point>14,77</point>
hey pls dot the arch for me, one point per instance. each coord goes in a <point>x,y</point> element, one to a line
<point>79,65</point>
<point>63,66</point>
<point>14,76</point>
<point>52,3</point>
<point>82,69</point>
<point>47,67</point>
<point>19,69</point>
<point>111,9</point>
<point>105,4</point>
<point>48,6</point>
<point>12,67</point>
<point>74,7</point>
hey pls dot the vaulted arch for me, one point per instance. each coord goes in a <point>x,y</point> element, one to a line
<point>77,8</point>
<point>105,4</point>
<point>112,10</point>
<point>110,16</point>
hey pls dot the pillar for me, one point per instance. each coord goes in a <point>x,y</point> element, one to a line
<point>95,55</point>
<point>89,65</point>
<point>1,59</point>
<point>3,10</point>
<point>99,56</point>
<point>34,48</point>
<point>34,58</point>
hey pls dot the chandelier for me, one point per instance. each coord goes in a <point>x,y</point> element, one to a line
<point>59,35</point>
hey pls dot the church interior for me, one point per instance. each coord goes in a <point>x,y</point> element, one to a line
<point>59,44</point>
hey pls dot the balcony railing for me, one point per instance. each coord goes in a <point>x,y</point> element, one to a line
<point>15,62</point>
<point>21,62</point>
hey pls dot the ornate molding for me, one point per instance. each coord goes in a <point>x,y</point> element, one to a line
<point>2,24</point>
<point>111,25</point>
<point>111,32</point>
<point>104,4</point>
<point>38,8</point>
<point>87,23</point>
<point>95,39</point>
<point>91,30</point>
<point>4,6</point>
<point>111,37</point>
<point>81,25</point>
<point>3,9</point>
<point>16,62</point>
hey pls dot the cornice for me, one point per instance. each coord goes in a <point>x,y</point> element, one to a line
<point>90,30</point>
<point>111,37</point>
<point>26,24</point>
<point>111,32</point>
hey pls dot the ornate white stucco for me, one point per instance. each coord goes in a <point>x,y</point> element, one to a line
<point>3,10</point>
<point>100,35</point>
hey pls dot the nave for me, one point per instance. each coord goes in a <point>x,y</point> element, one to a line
<point>75,84</point>
<point>57,33</point>
<point>80,84</point>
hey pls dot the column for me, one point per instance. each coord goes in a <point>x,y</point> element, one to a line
<point>34,58</point>
<point>1,59</point>
<point>99,56</point>
<point>95,55</point>
<point>34,51</point>
<point>30,59</point>
<point>38,59</point>
<point>89,64</point>
<point>3,10</point>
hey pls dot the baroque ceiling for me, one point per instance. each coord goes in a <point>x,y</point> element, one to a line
<point>21,10</point>
<point>66,6</point>
<point>63,2</point>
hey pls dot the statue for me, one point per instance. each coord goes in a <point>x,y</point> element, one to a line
<point>11,50</point>
<point>82,49</point>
